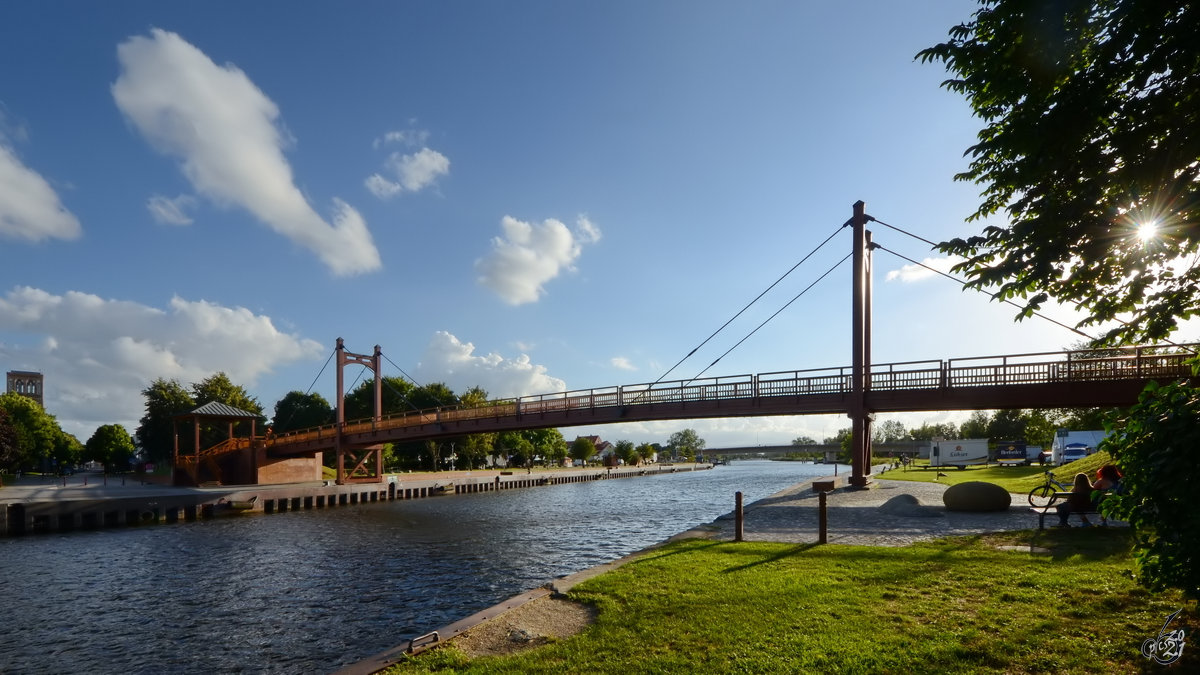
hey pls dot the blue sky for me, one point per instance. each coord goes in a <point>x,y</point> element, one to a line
<point>525,196</point>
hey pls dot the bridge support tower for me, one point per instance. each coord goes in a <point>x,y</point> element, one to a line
<point>367,462</point>
<point>861,418</point>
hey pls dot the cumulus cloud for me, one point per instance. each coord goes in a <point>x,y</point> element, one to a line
<point>448,359</point>
<point>412,173</point>
<point>222,129</point>
<point>910,273</point>
<point>622,363</point>
<point>29,208</point>
<point>171,211</point>
<point>98,354</point>
<point>529,255</point>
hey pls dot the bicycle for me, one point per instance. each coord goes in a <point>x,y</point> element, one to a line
<point>1042,495</point>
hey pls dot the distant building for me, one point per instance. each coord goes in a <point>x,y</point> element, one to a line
<point>26,383</point>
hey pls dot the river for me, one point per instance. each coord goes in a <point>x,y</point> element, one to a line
<point>311,591</point>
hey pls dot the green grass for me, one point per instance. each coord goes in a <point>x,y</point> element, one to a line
<point>1016,479</point>
<point>958,605</point>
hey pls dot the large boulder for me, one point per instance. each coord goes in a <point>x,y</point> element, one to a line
<point>976,495</point>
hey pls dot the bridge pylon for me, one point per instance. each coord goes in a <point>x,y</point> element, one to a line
<point>860,345</point>
<point>368,462</point>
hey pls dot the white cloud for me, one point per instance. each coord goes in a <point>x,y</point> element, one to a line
<point>910,273</point>
<point>409,137</point>
<point>413,172</point>
<point>171,211</point>
<point>98,354</point>
<point>449,360</point>
<point>223,130</point>
<point>529,255</point>
<point>29,207</point>
<point>622,363</point>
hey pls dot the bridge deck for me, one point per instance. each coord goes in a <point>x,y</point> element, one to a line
<point>1056,379</point>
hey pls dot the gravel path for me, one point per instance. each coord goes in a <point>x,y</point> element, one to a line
<point>890,513</point>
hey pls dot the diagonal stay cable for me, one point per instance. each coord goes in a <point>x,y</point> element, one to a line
<point>1077,305</point>
<point>396,391</point>
<point>275,422</point>
<point>1005,300</point>
<point>749,304</point>
<point>768,319</point>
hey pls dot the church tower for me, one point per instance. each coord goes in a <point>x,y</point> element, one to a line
<point>26,383</point>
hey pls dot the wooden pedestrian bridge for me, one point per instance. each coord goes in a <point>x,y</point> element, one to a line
<point>1041,380</point>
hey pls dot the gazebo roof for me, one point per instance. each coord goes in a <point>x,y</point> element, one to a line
<point>215,409</point>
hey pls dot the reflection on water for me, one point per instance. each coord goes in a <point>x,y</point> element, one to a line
<point>307,592</point>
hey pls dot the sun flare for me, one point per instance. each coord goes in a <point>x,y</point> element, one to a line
<point>1147,231</point>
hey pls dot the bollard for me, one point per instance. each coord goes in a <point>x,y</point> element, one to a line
<point>738,520</point>
<point>822,520</point>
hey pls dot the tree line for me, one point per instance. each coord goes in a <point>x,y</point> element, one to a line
<point>31,439</point>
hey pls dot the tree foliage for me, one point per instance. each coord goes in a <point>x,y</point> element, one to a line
<point>626,452</point>
<point>156,432</point>
<point>40,442</point>
<point>686,443</point>
<point>1155,444</point>
<point>1092,112</point>
<point>111,445</point>
<point>582,448</point>
<point>297,410</point>
<point>804,440</point>
<point>10,448</point>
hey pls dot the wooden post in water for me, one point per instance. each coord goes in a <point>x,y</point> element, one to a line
<point>738,519</point>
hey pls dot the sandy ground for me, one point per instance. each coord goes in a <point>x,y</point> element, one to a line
<point>530,625</point>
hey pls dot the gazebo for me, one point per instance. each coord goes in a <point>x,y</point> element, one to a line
<point>209,464</point>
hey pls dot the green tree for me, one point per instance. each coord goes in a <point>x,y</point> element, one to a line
<point>626,452</point>
<point>1090,111</point>
<point>890,431</point>
<point>1090,120</point>
<point>646,452</point>
<point>1007,425</point>
<point>515,447</point>
<point>40,443</point>
<point>804,440</point>
<point>394,395</point>
<point>686,443</point>
<point>10,448</point>
<point>156,432</point>
<point>111,445</point>
<point>928,432</point>
<point>218,388</point>
<point>976,426</point>
<point>842,439</point>
<point>582,449</point>
<point>297,410</point>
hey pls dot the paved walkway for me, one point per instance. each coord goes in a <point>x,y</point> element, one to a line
<point>890,513</point>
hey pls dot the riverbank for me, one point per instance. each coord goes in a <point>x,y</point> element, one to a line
<point>37,505</point>
<point>900,516</point>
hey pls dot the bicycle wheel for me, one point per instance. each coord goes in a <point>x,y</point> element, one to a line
<point>1041,495</point>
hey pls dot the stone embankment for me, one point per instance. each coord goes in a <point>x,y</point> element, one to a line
<point>94,501</point>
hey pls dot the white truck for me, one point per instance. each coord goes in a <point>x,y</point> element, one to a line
<point>1071,445</point>
<point>960,453</point>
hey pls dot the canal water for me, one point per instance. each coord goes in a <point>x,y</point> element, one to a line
<point>311,591</point>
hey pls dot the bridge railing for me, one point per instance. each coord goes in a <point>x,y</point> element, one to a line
<point>985,371</point>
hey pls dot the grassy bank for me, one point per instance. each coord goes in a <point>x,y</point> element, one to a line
<point>955,605</point>
<point>1016,479</point>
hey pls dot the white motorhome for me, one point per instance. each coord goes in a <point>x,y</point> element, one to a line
<point>960,453</point>
<point>1064,439</point>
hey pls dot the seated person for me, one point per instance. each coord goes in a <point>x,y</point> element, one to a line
<point>1108,480</point>
<point>1078,501</point>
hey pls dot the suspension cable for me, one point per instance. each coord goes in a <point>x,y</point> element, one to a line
<point>1004,300</point>
<point>768,319</point>
<point>1077,305</point>
<point>756,299</point>
<point>275,422</point>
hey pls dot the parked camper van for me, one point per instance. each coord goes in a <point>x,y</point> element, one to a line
<point>1072,445</point>
<point>960,453</point>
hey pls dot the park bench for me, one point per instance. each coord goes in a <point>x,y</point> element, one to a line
<point>1052,509</point>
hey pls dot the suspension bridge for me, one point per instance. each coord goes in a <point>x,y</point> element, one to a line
<point>1085,378</point>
